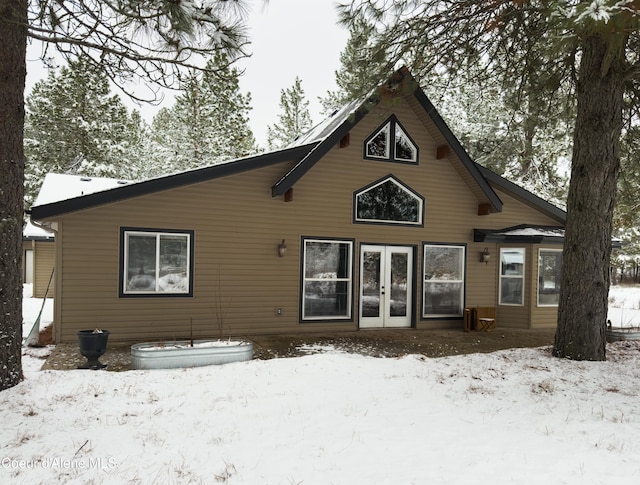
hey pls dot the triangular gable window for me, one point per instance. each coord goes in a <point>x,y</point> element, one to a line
<point>388,201</point>
<point>391,143</point>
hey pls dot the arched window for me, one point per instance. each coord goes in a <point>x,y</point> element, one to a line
<point>388,201</point>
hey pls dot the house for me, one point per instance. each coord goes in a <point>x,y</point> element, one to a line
<point>38,253</point>
<point>376,218</point>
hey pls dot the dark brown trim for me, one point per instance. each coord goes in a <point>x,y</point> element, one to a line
<point>442,152</point>
<point>159,184</point>
<point>288,195</point>
<point>122,269</point>
<point>289,179</point>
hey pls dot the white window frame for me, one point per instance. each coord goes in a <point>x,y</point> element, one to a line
<point>393,132</point>
<point>504,276</point>
<point>159,290</point>
<point>386,130</point>
<point>348,280</point>
<point>426,281</point>
<point>540,251</point>
<point>401,134</point>
<point>403,188</point>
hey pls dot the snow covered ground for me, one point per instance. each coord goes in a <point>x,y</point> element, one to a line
<point>510,417</point>
<point>624,306</point>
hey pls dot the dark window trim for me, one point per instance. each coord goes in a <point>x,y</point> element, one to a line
<point>392,121</point>
<point>121,268</point>
<point>523,277</point>
<point>464,284</point>
<point>556,252</point>
<point>354,204</point>
<point>304,321</point>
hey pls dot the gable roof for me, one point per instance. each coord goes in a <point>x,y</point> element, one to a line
<point>305,152</point>
<point>344,120</point>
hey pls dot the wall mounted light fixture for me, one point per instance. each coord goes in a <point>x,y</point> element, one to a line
<point>485,256</point>
<point>282,249</point>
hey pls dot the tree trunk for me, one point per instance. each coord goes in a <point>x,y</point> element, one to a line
<point>582,312</point>
<point>13,47</point>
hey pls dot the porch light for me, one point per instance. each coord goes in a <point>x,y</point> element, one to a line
<point>282,249</point>
<point>484,256</point>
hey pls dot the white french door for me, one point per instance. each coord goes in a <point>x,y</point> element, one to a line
<point>385,286</point>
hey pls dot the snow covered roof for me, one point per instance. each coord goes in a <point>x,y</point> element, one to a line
<point>57,187</point>
<point>31,232</point>
<point>534,232</point>
<point>521,234</point>
<point>79,196</point>
<point>325,128</point>
<point>528,234</point>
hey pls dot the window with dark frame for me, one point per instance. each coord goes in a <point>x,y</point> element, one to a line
<point>549,276</point>
<point>443,280</point>
<point>327,279</point>
<point>388,201</point>
<point>512,276</point>
<point>156,262</point>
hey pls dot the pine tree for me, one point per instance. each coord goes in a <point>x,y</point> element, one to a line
<point>209,121</point>
<point>137,161</point>
<point>13,47</point>
<point>293,121</point>
<point>74,124</point>
<point>507,130</point>
<point>355,76</point>
<point>627,216</point>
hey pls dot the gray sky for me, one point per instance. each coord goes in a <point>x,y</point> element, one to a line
<point>291,38</point>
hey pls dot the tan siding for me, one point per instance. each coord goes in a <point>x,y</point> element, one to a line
<point>26,246</point>
<point>482,278</point>
<point>237,226</point>
<point>43,262</point>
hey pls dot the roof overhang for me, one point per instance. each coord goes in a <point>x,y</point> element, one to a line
<point>523,195</point>
<point>527,234</point>
<point>522,234</point>
<point>339,125</point>
<point>326,136</point>
<point>35,232</point>
<point>456,146</point>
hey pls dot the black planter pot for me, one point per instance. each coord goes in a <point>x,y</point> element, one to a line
<point>92,345</point>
